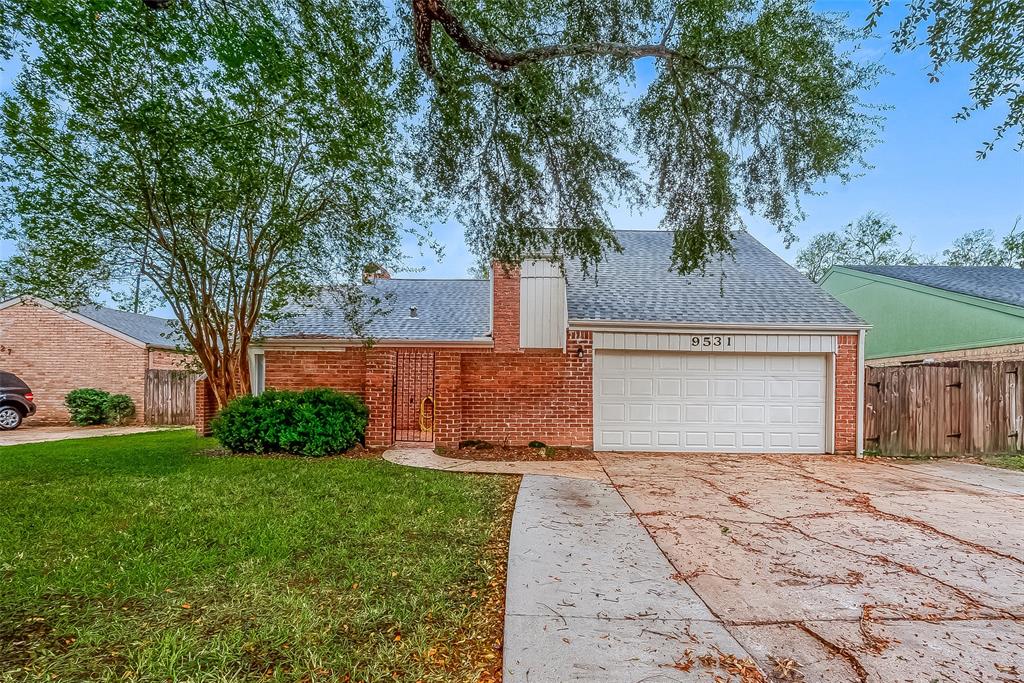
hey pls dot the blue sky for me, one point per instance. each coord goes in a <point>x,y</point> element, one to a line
<point>925,175</point>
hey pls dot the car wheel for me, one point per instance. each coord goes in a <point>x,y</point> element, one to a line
<point>10,418</point>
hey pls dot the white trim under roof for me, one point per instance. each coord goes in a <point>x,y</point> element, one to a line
<point>715,342</point>
<point>28,299</point>
<point>694,328</point>
<point>341,344</point>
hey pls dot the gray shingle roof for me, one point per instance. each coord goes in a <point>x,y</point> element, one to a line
<point>995,283</point>
<point>148,329</point>
<point>754,288</point>
<point>447,310</point>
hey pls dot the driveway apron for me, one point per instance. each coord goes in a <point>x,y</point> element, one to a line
<point>847,570</point>
<point>591,597</point>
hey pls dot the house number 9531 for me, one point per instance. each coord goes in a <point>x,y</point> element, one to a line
<point>710,341</point>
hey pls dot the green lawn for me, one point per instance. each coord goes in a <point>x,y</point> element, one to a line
<point>145,558</point>
<point>1010,461</point>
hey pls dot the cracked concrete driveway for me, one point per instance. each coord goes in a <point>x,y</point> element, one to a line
<point>856,570</point>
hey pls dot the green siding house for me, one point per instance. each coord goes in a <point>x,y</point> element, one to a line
<point>941,313</point>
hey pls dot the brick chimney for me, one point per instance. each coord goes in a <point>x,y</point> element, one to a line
<point>505,308</point>
<point>374,271</point>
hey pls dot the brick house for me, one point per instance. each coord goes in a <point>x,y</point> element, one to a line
<point>748,357</point>
<point>56,350</point>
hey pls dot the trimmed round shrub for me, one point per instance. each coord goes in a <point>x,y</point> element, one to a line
<point>313,422</point>
<point>120,408</point>
<point>87,406</point>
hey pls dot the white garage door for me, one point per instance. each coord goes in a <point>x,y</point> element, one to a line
<point>646,401</point>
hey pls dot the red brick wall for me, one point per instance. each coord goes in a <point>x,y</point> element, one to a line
<point>507,397</point>
<point>846,395</point>
<point>162,359</point>
<point>379,394</point>
<point>341,370</point>
<point>543,395</point>
<point>448,398</point>
<point>205,406</point>
<point>55,354</point>
<point>506,309</point>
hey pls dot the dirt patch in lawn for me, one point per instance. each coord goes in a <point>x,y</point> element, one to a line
<point>491,453</point>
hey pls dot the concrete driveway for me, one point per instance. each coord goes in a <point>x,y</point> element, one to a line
<point>853,570</point>
<point>29,433</point>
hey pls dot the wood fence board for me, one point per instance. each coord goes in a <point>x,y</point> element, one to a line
<point>170,397</point>
<point>975,407</point>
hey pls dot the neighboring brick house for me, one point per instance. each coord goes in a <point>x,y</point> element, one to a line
<point>921,314</point>
<point>748,357</point>
<point>56,350</point>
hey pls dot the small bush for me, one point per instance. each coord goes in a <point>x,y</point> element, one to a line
<point>120,408</point>
<point>97,407</point>
<point>550,452</point>
<point>87,406</point>
<point>537,444</point>
<point>314,422</point>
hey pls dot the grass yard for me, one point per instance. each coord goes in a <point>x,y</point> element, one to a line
<point>145,558</point>
<point>1009,461</point>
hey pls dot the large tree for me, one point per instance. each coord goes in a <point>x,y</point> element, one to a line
<point>871,240</point>
<point>236,155</point>
<point>230,157</point>
<point>540,113</point>
<point>976,248</point>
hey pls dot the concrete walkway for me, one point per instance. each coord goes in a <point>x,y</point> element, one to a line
<point>590,597</point>
<point>418,456</point>
<point>41,434</point>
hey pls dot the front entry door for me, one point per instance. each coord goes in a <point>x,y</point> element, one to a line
<point>413,404</point>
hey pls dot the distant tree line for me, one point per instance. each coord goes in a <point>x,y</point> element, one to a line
<point>875,240</point>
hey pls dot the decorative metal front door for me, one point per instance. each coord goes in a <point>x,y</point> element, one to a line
<point>413,406</point>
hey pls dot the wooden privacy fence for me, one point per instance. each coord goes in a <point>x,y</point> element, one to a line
<point>170,397</point>
<point>968,407</point>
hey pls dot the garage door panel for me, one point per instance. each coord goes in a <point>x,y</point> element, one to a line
<point>724,440</point>
<point>726,388</point>
<point>752,440</point>
<point>696,414</point>
<point>672,412</point>
<point>641,412</point>
<point>809,389</point>
<point>611,412</point>
<point>697,388</point>
<point>694,361</point>
<point>612,387</point>
<point>672,387</point>
<point>683,401</point>
<point>752,414</point>
<point>781,415</point>
<point>724,362</point>
<point>725,415</point>
<point>668,438</point>
<point>641,361</point>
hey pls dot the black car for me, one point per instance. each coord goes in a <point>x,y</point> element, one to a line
<point>15,401</point>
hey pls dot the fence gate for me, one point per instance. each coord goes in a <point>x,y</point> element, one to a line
<point>170,397</point>
<point>412,411</point>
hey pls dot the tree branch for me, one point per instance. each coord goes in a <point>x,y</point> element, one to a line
<point>426,12</point>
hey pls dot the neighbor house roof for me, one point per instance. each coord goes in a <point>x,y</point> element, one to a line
<point>446,310</point>
<point>995,283</point>
<point>149,329</point>
<point>146,330</point>
<point>752,287</point>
